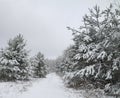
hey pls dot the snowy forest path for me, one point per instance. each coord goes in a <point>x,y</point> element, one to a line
<point>49,87</point>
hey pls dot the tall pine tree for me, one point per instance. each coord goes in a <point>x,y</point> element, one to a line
<point>38,65</point>
<point>14,61</point>
<point>97,47</point>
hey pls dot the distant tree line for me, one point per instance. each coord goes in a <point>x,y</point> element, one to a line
<point>15,63</point>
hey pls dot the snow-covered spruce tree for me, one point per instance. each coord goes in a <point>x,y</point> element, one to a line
<point>97,45</point>
<point>39,67</point>
<point>13,60</point>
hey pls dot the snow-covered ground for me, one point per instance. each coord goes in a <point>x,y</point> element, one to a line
<point>49,87</point>
<point>13,89</point>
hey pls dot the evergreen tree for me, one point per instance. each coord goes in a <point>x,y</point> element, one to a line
<point>97,47</point>
<point>39,67</point>
<point>13,60</point>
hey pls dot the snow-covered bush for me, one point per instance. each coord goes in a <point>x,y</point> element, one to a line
<point>112,89</point>
<point>94,93</point>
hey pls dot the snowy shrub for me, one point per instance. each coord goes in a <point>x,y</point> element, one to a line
<point>94,93</point>
<point>112,90</point>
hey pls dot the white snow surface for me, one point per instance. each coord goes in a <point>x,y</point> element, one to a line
<point>13,89</point>
<point>50,87</point>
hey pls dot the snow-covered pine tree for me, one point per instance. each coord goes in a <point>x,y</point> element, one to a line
<point>13,60</point>
<point>97,44</point>
<point>39,67</point>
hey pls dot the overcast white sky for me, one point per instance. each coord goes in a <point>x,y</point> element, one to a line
<point>43,22</point>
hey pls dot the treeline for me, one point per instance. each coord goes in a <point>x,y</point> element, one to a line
<point>93,61</point>
<point>15,63</point>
